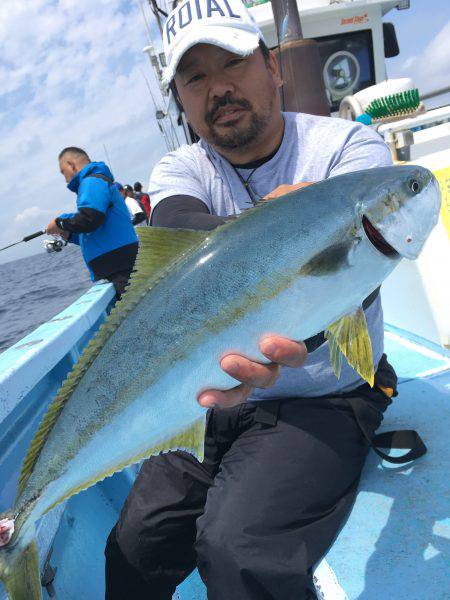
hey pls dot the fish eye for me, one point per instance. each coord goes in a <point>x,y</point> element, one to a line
<point>414,186</point>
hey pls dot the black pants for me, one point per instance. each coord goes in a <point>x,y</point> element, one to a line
<point>119,281</point>
<point>276,484</point>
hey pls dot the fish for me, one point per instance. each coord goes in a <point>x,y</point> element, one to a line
<point>296,265</point>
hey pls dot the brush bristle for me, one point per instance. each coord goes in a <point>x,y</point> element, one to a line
<point>398,104</point>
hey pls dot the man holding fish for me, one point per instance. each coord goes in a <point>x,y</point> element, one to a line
<point>283,450</point>
<point>206,310</point>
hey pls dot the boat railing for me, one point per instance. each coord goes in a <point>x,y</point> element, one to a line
<point>31,372</point>
<point>432,126</point>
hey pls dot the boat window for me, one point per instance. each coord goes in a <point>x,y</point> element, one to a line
<point>347,64</point>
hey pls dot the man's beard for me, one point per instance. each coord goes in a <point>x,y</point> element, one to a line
<point>236,137</point>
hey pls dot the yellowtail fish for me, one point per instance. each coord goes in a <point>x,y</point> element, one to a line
<point>296,266</point>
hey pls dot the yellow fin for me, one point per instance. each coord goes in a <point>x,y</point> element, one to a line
<point>335,354</point>
<point>350,336</point>
<point>160,249</point>
<point>21,576</point>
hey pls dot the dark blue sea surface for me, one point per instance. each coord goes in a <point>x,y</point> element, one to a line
<point>36,288</point>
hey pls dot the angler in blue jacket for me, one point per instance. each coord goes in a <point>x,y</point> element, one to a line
<point>101,226</point>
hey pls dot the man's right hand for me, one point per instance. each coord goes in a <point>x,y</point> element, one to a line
<point>280,350</point>
<point>53,229</point>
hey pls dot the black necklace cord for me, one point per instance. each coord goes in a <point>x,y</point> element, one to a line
<point>254,199</point>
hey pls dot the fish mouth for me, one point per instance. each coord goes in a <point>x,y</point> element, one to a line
<point>377,240</point>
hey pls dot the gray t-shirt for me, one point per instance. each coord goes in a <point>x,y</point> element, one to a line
<point>313,148</point>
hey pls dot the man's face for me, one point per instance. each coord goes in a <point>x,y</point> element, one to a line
<point>67,168</point>
<point>229,100</point>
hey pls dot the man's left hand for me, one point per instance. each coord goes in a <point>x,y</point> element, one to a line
<point>278,349</point>
<point>53,229</point>
<point>286,188</point>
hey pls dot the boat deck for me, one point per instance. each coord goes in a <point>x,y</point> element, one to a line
<point>396,541</point>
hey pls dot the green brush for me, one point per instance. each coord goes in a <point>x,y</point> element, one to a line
<point>402,103</point>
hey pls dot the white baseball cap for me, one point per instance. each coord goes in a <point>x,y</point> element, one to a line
<point>224,23</point>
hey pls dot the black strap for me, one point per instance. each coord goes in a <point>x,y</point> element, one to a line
<point>267,412</point>
<point>317,340</point>
<point>99,176</point>
<point>406,438</point>
<point>107,179</point>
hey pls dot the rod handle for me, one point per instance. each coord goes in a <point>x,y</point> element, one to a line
<point>27,238</point>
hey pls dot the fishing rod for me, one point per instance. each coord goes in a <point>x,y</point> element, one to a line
<point>27,238</point>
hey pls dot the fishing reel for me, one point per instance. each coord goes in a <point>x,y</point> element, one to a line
<point>54,245</point>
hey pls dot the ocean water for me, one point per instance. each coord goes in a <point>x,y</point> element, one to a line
<point>36,288</point>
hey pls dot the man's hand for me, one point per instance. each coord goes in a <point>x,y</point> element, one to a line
<point>53,229</point>
<point>280,350</point>
<point>285,188</point>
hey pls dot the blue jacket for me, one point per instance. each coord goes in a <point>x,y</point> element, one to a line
<point>115,232</point>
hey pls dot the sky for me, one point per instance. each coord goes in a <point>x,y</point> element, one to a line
<point>72,73</point>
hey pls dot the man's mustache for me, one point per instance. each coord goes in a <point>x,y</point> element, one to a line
<point>220,102</point>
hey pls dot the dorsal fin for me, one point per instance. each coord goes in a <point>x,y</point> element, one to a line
<point>350,336</point>
<point>159,249</point>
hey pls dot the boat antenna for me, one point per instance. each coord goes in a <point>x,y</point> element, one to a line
<point>157,12</point>
<point>164,134</point>
<point>107,157</point>
<point>144,17</point>
<point>155,104</point>
<point>27,238</point>
<point>159,114</point>
<point>174,132</point>
<point>150,51</point>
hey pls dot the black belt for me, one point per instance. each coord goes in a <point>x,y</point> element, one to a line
<point>405,439</point>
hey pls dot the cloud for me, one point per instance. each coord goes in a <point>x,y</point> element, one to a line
<point>430,69</point>
<point>409,63</point>
<point>72,74</point>
<point>32,214</point>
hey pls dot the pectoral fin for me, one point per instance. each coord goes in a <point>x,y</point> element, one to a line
<point>349,336</point>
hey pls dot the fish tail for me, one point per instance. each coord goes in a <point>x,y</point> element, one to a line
<point>21,576</point>
<point>19,564</point>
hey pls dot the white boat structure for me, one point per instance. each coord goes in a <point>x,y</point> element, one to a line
<point>395,542</point>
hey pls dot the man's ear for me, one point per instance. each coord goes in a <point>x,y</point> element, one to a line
<point>274,68</point>
<point>176,95</point>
